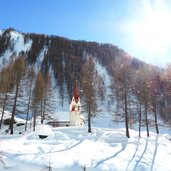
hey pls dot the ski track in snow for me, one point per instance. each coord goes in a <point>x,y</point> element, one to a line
<point>73,148</point>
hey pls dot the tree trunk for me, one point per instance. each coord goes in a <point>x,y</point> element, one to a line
<point>140,121</point>
<point>44,105</point>
<point>89,118</point>
<point>126,114</point>
<point>155,116</point>
<point>3,108</point>
<point>14,109</point>
<point>146,119</point>
<point>28,105</point>
<point>34,120</point>
<point>41,110</point>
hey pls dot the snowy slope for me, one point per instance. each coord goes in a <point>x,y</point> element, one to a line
<point>40,58</point>
<point>1,32</point>
<point>18,40</point>
<point>18,45</point>
<point>72,149</point>
<point>103,73</point>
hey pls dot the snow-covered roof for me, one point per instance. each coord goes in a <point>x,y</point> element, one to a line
<point>62,116</point>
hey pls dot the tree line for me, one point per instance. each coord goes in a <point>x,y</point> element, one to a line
<point>23,91</point>
<point>139,92</point>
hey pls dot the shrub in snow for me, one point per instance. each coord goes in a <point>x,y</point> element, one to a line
<point>20,124</point>
<point>44,131</point>
<point>8,121</point>
<point>43,136</point>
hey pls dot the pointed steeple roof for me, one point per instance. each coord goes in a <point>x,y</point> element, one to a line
<point>76,91</point>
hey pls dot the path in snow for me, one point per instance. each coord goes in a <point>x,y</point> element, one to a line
<point>74,148</point>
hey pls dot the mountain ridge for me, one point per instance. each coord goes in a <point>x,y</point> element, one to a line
<point>63,60</point>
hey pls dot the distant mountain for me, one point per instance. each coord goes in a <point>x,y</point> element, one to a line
<point>65,57</point>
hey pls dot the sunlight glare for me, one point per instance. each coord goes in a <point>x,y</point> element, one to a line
<point>150,30</point>
<point>154,31</point>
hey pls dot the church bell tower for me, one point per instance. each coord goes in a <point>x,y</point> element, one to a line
<point>75,107</point>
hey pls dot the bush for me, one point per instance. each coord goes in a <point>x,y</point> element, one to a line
<point>20,124</point>
<point>8,121</point>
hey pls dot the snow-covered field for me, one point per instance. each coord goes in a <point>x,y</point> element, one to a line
<point>74,149</point>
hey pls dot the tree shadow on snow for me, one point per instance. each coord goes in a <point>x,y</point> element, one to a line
<point>136,150</point>
<point>38,156</point>
<point>124,144</point>
<point>155,152</point>
<point>145,149</point>
<point>70,147</point>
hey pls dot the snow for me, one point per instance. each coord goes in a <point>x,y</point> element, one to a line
<point>40,58</point>
<point>1,32</point>
<point>73,148</point>
<point>103,73</point>
<point>5,57</point>
<point>62,116</point>
<point>17,42</point>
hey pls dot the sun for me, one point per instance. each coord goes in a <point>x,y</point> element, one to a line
<point>151,31</point>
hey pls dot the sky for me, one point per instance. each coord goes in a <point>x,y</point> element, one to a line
<point>140,27</point>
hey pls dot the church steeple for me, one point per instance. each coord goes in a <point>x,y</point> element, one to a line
<point>76,92</point>
<point>76,119</point>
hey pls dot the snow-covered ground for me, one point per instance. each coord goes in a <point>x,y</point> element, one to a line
<point>74,149</point>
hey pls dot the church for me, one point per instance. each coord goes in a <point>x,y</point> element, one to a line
<point>76,118</point>
<point>73,116</point>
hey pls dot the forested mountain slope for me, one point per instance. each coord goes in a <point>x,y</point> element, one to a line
<point>127,88</point>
